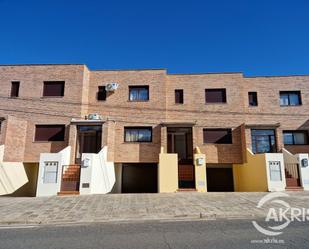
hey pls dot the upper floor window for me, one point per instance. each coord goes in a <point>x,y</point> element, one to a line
<point>138,134</point>
<point>101,95</point>
<point>179,96</point>
<point>295,137</point>
<point>53,89</point>
<point>215,95</point>
<point>138,93</point>
<point>252,96</point>
<point>263,141</point>
<point>290,98</point>
<point>15,89</point>
<point>45,133</point>
<point>218,136</point>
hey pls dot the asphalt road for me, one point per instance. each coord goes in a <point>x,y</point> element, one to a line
<point>177,234</point>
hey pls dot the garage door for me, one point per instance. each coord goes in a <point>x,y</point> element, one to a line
<point>220,180</point>
<point>139,178</point>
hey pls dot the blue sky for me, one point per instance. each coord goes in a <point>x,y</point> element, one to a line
<point>255,37</point>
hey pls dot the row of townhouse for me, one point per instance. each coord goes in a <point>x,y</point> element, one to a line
<point>66,129</point>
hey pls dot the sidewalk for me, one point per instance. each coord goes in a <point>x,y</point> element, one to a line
<point>136,207</point>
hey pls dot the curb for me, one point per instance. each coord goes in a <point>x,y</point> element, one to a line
<point>200,217</point>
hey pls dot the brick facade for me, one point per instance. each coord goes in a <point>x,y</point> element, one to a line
<point>81,85</point>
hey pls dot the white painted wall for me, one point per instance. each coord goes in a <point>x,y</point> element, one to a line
<point>1,152</point>
<point>275,185</point>
<point>12,175</point>
<point>63,158</point>
<point>304,171</point>
<point>100,174</point>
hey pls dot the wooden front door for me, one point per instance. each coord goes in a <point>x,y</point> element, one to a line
<point>89,140</point>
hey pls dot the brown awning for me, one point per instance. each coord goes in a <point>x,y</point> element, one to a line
<point>272,125</point>
<point>87,121</point>
<point>178,124</point>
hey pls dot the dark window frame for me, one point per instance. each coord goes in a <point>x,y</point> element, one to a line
<point>102,93</point>
<point>139,87</point>
<point>273,148</point>
<point>227,139</point>
<point>15,86</point>
<point>149,128</point>
<point>213,90</point>
<point>305,132</point>
<point>49,83</point>
<point>297,92</point>
<point>254,100</point>
<point>179,98</point>
<point>61,134</point>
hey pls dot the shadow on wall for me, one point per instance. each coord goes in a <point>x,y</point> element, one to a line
<point>57,146</point>
<point>149,152</point>
<point>228,153</point>
<point>29,189</point>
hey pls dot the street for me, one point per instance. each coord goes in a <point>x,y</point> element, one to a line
<point>176,234</point>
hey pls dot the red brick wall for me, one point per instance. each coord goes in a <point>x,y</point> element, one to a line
<point>81,86</point>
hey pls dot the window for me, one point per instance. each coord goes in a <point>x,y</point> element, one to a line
<point>275,171</point>
<point>263,141</point>
<point>179,96</point>
<point>138,93</point>
<point>101,95</point>
<point>45,133</point>
<point>218,136</point>
<point>53,89</point>
<point>137,134</point>
<point>15,89</point>
<point>252,98</point>
<point>215,95</point>
<point>50,172</point>
<point>295,137</point>
<point>290,98</point>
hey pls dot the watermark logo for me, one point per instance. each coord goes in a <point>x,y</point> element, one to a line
<point>282,214</point>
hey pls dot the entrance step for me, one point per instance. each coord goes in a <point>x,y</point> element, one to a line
<point>294,189</point>
<point>186,190</point>
<point>292,182</point>
<point>62,193</point>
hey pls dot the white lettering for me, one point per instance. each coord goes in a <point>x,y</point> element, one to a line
<point>295,213</point>
<point>272,215</point>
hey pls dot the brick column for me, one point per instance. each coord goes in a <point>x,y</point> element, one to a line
<point>73,141</point>
<point>164,138</point>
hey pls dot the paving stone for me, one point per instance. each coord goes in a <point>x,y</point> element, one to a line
<point>137,207</point>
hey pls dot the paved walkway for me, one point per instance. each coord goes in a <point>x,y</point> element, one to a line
<point>129,207</point>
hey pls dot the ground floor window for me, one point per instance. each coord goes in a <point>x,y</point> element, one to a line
<point>137,134</point>
<point>263,141</point>
<point>295,137</point>
<point>44,133</point>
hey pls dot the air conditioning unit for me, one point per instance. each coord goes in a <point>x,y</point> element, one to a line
<point>111,87</point>
<point>94,116</point>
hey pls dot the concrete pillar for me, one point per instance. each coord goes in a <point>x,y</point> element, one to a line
<point>200,171</point>
<point>167,173</point>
